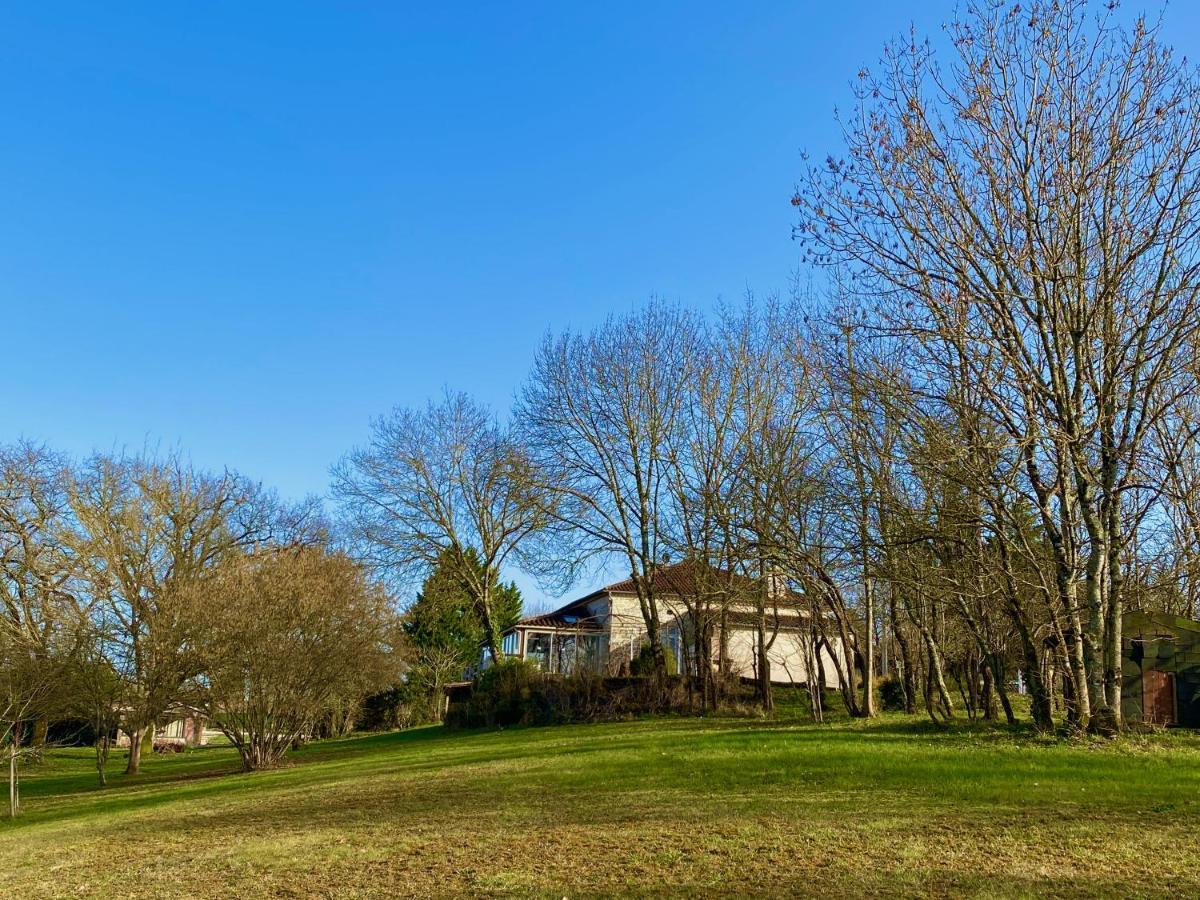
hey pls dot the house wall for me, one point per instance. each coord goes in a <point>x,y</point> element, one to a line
<point>787,656</point>
<point>621,617</point>
<point>626,629</point>
<point>190,731</point>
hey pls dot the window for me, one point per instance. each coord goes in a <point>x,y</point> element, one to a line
<point>565,653</point>
<point>593,652</point>
<point>576,653</point>
<point>673,644</point>
<point>511,644</point>
<point>537,649</point>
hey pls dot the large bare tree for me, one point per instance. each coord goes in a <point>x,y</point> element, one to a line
<point>147,530</point>
<point>601,413</point>
<point>738,375</point>
<point>38,598</point>
<point>1032,209</point>
<point>446,482</point>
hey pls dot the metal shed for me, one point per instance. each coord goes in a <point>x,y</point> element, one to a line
<point>1160,669</point>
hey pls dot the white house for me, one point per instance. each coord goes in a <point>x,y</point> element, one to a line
<point>604,630</point>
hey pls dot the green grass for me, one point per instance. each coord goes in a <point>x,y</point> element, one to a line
<point>673,806</point>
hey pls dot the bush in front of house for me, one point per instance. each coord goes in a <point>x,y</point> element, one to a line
<point>642,665</point>
<point>404,706</point>
<point>517,692</point>
<point>509,693</point>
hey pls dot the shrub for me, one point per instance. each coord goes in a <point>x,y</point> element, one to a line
<point>380,711</point>
<point>403,706</point>
<point>891,693</point>
<point>518,693</point>
<point>504,695</point>
<point>642,665</point>
<point>168,747</point>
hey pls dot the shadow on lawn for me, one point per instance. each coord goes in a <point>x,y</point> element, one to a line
<point>430,769</point>
<point>434,750</point>
<point>644,792</point>
<point>200,763</point>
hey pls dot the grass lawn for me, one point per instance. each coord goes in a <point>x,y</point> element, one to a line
<point>674,806</point>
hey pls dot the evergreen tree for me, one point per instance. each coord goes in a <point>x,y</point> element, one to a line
<point>443,615</point>
<point>444,629</point>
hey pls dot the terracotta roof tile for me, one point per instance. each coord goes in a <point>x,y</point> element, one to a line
<point>687,578</point>
<point>561,619</point>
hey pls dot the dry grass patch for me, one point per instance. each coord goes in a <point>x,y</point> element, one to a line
<point>683,807</point>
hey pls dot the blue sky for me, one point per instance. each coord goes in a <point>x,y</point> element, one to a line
<point>245,229</point>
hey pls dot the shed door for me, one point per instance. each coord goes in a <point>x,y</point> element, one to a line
<point>1158,697</point>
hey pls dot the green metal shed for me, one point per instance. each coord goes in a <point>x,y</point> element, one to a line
<point>1160,669</point>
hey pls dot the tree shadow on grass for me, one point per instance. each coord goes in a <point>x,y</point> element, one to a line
<point>432,752</point>
<point>672,755</point>
<point>406,821</point>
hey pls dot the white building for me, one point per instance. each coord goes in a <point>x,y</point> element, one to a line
<point>604,630</point>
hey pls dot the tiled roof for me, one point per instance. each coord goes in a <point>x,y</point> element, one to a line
<point>747,619</point>
<point>689,578</point>
<point>561,619</point>
<point>684,579</point>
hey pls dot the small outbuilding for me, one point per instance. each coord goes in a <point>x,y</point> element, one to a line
<point>1160,670</point>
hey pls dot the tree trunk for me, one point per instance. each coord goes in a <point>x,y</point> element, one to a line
<point>996,663</point>
<point>491,637</point>
<point>765,695</point>
<point>813,675</point>
<point>1114,637</point>
<point>937,679</point>
<point>908,680</point>
<point>1093,631</point>
<point>1041,690</point>
<point>14,796</point>
<point>1079,709</point>
<point>868,685</point>
<point>133,766</point>
<point>649,609</point>
<point>103,742</point>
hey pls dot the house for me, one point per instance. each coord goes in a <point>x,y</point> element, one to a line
<point>603,631</point>
<point>181,726</point>
<point>1160,669</point>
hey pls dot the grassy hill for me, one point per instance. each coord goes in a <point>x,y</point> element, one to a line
<point>676,806</point>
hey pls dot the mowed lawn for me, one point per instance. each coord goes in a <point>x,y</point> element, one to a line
<point>678,807</point>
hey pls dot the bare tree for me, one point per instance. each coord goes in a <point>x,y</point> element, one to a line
<point>37,593</point>
<point>1033,209</point>
<point>30,681</point>
<point>98,688</point>
<point>768,393</point>
<point>857,423</point>
<point>443,483</point>
<point>40,615</point>
<point>732,378</point>
<point>600,414</point>
<point>148,530</point>
<point>292,633</point>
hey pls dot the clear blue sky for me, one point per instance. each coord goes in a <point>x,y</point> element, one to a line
<point>244,229</point>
